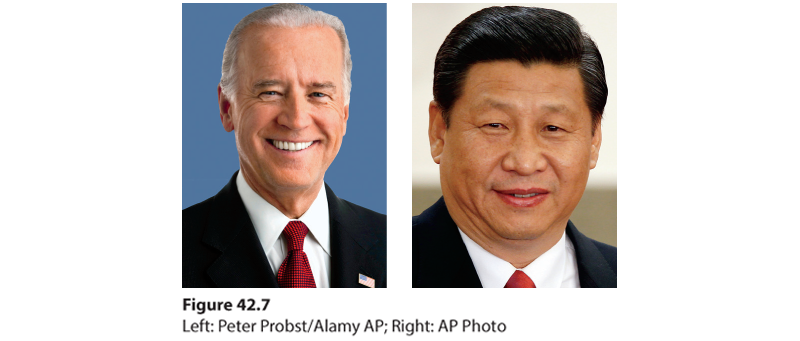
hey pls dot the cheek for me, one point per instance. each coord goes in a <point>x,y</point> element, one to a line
<point>330,127</point>
<point>475,159</point>
<point>252,120</point>
<point>571,163</point>
<point>330,122</point>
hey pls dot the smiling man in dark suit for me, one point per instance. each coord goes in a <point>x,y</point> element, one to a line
<point>284,92</point>
<point>515,126</point>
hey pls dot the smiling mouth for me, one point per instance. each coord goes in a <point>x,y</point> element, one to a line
<point>521,198</point>
<point>291,146</point>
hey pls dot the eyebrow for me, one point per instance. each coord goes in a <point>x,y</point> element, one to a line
<point>270,82</point>
<point>324,85</point>
<point>491,103</point>
<point>265,83</point>
<point>557,108</point>
<point>503,106</point>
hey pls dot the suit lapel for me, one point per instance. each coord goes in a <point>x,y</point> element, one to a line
<point>593,269</point>
<point>242,262</point>
<point>351,241</point>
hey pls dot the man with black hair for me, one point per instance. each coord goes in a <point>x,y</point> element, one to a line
<point>519,94</point>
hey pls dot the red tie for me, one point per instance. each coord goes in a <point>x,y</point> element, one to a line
<point>520,280</point>
<point>295,271</point>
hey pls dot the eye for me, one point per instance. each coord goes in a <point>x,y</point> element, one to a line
<point>269,93</point>
<point>552,128</point>
<point>317,94</point>
<point>494,125</point>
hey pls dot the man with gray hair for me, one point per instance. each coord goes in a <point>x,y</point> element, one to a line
<point>284,92</point>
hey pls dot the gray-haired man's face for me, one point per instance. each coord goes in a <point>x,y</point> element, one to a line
<point>289,113</point>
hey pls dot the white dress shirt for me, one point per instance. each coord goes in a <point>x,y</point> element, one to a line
<point>269,223</point>
<point>556,268</point>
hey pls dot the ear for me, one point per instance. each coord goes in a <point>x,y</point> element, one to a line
<point>597,139</point>
<point>436,130</point>
<point>224,110</point>
<point>346,116</point>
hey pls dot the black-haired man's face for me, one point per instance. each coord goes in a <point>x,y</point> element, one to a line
<point>515,159</point>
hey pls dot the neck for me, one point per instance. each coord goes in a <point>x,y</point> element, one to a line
<point>293,203</point>
<point>519,252</point>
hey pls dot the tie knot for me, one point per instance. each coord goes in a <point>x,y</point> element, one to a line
<point>520,280</point>
<point>295,233</point>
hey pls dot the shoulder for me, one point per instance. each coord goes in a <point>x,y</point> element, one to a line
<point>358,238</point>
<point>198,217</point>
<point>196,213</point>
<point>350,213</point>
<point>195,220</point>
<point>597,262</point>
<point>436,215</point>
<point>200,213</point>
<point>201,221</point>
<point>608,252</point>
<point>426,226</point>
<point>362,224</point>
<point>196,255</point>
<point>432,225</point>
<point>347,212</point>
<point>439,257</point>
<point>363,213</point>
<point>432,233</point>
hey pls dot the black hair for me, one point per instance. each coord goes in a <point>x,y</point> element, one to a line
<point>525,34</point>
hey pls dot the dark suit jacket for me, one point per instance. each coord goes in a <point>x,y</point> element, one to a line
<point>441,260</point>
<point>221,248</point>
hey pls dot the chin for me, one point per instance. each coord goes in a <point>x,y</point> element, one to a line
<point>528,233</point>
<point>286,179</point>
<point>520,226</point>
<point>295,183</point>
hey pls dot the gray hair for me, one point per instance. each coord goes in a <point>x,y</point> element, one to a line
<point>282,15</point>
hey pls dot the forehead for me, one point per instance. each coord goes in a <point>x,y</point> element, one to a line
<point>516,87</point>
<point>308,48</point>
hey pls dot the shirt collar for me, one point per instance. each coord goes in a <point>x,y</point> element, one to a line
<point>269,222</point>
<point>547,271</point>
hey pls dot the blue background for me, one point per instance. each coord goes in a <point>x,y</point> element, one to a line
<point>358,174</point>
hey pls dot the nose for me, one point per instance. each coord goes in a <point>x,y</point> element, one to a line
<point>526,155</point>
<point>296,112</point>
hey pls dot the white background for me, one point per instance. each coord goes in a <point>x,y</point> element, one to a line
<point>707,180</point>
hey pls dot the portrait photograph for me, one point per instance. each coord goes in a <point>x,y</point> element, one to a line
<point>284,145</point>
<point>509,165</point>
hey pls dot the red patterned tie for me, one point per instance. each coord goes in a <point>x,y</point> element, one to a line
<point>520,280</point>
<point>295,271</point>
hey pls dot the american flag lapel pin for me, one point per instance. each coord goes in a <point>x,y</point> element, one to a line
<point>366,281</point>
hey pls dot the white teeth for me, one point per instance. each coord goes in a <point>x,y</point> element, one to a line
<point>525,195</point>
<point>291,146</point>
